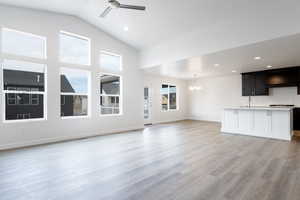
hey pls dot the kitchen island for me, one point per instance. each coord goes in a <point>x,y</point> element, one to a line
<point>268,122</point>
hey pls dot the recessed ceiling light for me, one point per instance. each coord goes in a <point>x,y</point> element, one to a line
<point>233,71</point>
<point>126,28</point>
<point>257,58</point>
<point>269,66</point>
<point>217,65</point>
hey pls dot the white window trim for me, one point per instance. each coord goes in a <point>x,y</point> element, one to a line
<point>177,95</point>
<point>112,95</point>
<point>27,34</point>
<point>78,37</point>
<point>112,54</point>
<point>88,94</point>
<point>4,92</point>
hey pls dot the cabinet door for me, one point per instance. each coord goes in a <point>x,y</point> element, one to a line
<point>282,78</point>
<point>248,84</point>
<point>260,85</point>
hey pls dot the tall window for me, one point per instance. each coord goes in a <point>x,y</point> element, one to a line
<point>23,44</point>
<point>110,62</point>
<point>24,90</point>
<point>168,97</point>
<point>110,85</point>
<point>74,92</point>
<point>74,49</point>
<point>110,94</point>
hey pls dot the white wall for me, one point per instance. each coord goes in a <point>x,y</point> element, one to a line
<point>54,128</point>
<point>157,115</point>
<point>225,91</point>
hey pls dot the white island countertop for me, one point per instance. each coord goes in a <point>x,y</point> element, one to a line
<point>259,108</point>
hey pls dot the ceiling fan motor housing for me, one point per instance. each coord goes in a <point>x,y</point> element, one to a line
<point>114,3</point>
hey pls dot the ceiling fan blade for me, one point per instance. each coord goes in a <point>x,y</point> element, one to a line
<point>132,7</point>
<point>106,11</point>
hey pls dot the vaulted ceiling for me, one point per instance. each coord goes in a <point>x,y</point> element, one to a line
<point>172,30</point>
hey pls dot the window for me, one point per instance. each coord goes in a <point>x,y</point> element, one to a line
<point>24,90</point>
<point>23,44</point>
<point>110,62</point>
<point>74,49</point>
<point>110,94</point>
<point>75,86</point>
<point>168,97</point>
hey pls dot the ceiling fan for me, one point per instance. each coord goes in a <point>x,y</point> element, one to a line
<point>116,4</point>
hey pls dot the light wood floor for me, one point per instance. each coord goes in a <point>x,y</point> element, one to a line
<point>183,160</point>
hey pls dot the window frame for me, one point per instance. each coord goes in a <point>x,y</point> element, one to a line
<point>44,57</point>
<point>177,95</point>
<point>88,94</point>
<point>81,37</point>
<point>120,95</point>
<point>4,92</point>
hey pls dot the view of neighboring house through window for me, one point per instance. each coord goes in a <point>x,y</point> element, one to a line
<point>74,49</point>
<point>110,94</point>
<point>168,97</point>
<point>110,62</point>
<point>23,44</point>
<point>24,89</point>
<point>74,92</point>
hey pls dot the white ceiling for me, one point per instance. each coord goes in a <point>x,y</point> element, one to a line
<point>279,53</point>
<point>165,19</point>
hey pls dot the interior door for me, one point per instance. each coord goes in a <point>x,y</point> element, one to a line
<point>147,105</point>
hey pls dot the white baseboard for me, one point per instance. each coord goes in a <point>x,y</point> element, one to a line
<point>65,138</point>
<point>168,121</point>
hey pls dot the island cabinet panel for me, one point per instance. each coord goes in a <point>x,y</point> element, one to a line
<point>268,123</point>
<point>262,123</point>
<point>244,117</point>
<point>231,120</point>
<point>281,123</point>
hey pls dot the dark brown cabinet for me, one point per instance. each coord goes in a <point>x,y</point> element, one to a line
<point>282,77</point>
<point>253,84</point>
<point>296,117</point>
<point>258,83</point>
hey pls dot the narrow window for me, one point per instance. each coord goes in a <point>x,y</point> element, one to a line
<point>74,92</point>
<point>110,94</point>
<point>24,92</point>
<point>74,49</point>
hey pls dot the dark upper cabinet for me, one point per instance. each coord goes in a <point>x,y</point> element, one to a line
<point>253,84</point>
<point>248,84</point>
<point>261,89</point>
<point>282,77</point>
